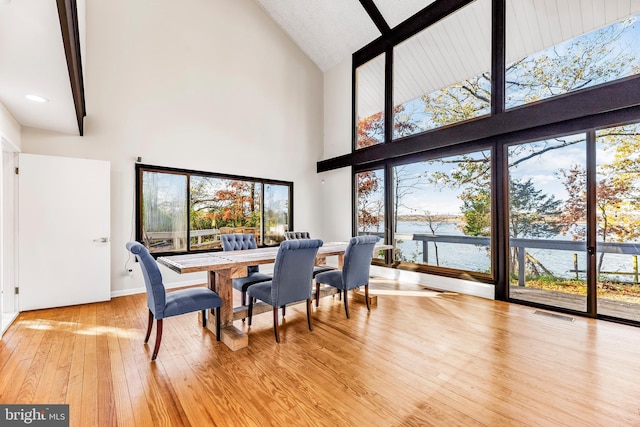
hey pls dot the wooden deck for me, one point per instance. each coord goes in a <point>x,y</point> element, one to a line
<point>419,358</point>
<point>620,309</point>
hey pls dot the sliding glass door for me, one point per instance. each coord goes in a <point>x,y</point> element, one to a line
<point>547,222</point>
<point>618,221</point>
<point>558,201</point>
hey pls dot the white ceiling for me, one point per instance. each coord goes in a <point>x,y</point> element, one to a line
<point>329,31</point>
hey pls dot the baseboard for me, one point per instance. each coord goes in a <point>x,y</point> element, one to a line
<point>449,284</point>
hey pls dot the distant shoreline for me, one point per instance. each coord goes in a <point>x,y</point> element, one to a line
<point>431,218</point>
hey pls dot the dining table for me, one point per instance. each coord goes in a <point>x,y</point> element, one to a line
<point>223,266</point>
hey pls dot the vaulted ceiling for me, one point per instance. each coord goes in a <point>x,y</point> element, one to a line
<point>33,61</point>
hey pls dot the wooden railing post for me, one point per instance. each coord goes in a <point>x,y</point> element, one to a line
<point>635,268</point>
<point>575,265</point>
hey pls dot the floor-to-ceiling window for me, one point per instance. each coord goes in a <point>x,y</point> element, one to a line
<point>617,229</point>
<point>442,212</point>
<point>537,89</point>
<point>547,222</point>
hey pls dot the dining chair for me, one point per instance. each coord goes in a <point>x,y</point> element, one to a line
<point>236,242</point>
<point>164,304</point>
<point>292,277</point>
<point>355,271</point>
<point>291,235</point>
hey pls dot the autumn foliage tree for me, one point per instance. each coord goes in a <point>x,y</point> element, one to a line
<point>218,203</point>
<point>617,191</point>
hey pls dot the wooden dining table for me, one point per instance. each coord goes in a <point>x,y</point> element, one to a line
<point>222,267</point>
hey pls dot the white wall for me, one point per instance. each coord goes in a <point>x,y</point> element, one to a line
<point>9,130</point>
<point>209,85</point>
<point>337,142</point>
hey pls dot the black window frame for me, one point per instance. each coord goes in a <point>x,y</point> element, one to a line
<point>605,105</point>
<point>141,168</point>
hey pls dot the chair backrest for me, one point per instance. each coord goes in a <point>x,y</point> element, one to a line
<point>293,270</point>
<point>238,242</point>
<point>357,261</point>
<point>156,294</point>
<point>290,235</point>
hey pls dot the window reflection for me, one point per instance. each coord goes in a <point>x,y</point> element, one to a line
<point>164,211</point>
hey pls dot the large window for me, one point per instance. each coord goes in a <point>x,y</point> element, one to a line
<point>547,222</point>
<point>618,221</point>
<point>442,212</point>
<point>370,103</point>
<point>571,46</point>
<point>542,205</point>
<point>442,74</point>
<point>370,205</point>
<point>185,211</point>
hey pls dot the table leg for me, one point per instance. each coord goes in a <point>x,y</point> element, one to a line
<point>220,282</point>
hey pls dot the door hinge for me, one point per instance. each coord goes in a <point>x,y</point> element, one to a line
<point>17,290</point>
<point>17,170</point>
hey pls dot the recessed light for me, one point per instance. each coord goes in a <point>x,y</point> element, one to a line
<point>36,98</point>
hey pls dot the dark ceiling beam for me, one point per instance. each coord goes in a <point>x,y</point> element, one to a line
<point>410,27</point>
<point>376,16</point>
<point>68,15</point>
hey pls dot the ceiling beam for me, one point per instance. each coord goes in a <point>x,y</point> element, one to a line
<point>376,16</point>
<point>68,15</point>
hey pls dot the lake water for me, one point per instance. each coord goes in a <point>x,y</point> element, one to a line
<point>477,258</point>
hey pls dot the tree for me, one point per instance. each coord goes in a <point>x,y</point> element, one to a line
<point>369,204</point>
<point>617,191</point>
<point>217,203</point>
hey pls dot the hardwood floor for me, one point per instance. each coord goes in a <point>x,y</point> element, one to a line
<point>418,358</point>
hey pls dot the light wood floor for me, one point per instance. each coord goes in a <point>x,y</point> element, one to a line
<point>418,358</point>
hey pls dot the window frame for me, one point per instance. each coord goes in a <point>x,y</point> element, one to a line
<point>141,168</point>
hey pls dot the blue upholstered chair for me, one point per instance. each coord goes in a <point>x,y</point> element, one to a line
<point>354,273</point>
<point>236,242</point>
<point>166,304</point>
<point>292,277</point>
<point>292,235</point>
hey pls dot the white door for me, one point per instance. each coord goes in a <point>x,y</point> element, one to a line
<point>64,231</point>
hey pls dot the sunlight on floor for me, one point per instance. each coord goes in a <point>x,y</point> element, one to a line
<point>80,329</point>
<point>424,293</point>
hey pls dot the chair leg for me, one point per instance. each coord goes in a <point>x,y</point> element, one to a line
<point>158,339</point>
<point>204,318</point>
<point>317,294</point>
<point>244,297</point>
<point>250,309</point>
<point>346,304</point>
<point>309,314</point>
<point>275,324</point>
<point>217,310</point>
<point>146,339</point>
<point>366,295</point>
<point>283,309</point>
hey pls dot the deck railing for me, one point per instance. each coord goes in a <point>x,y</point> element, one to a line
<point>522,245</point>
